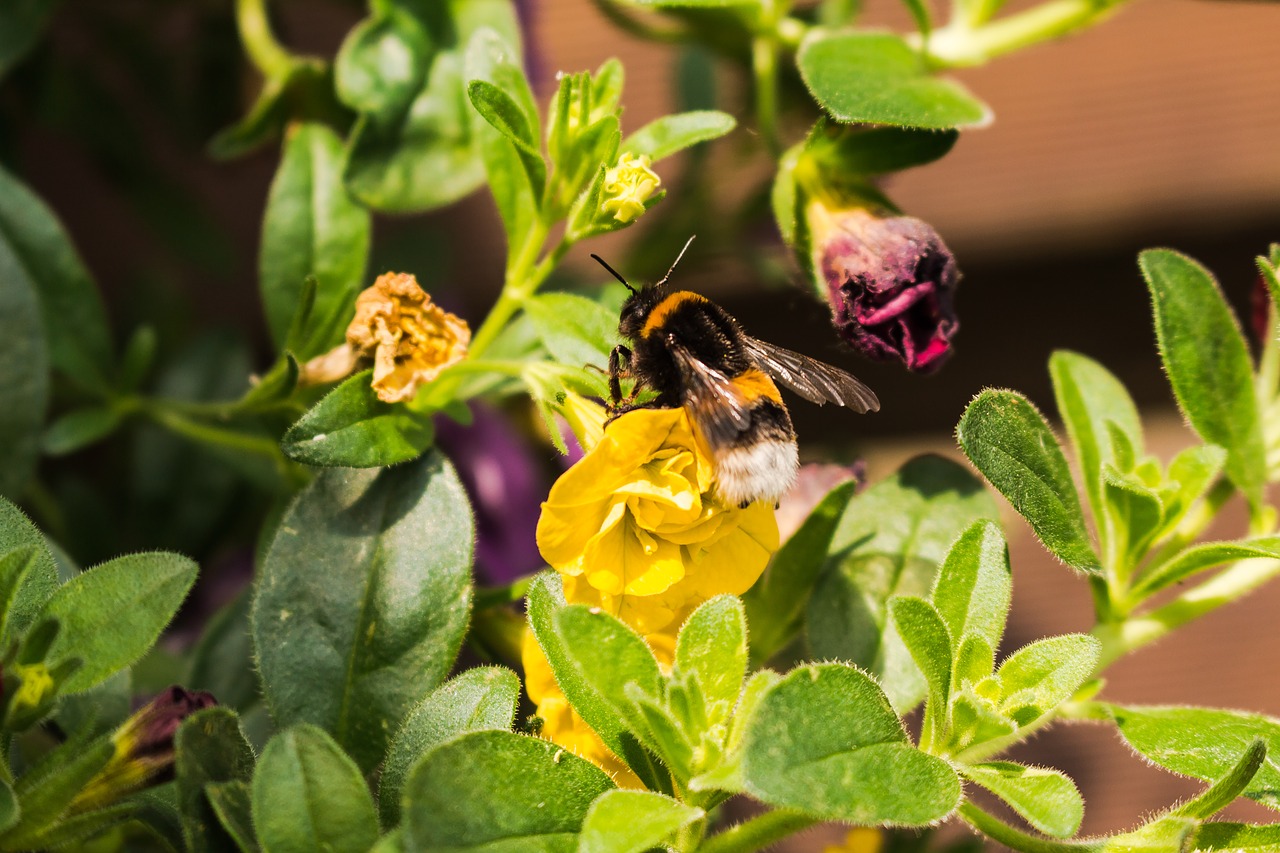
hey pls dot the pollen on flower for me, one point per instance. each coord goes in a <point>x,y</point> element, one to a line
<point>410,339</point>
<point>628,185</point>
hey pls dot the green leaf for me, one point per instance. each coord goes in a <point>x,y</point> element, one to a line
<point>868,152</point>
<point>498,791</point>
<point>877,78</point>
<point>713,645</point>
<point>1238,837</point>
<point>79,429</point>
<point>1046,798</point>
<point>351,428</point>
<point>1089,397</point>
<point>825,741</point>
<point>312,228</point>
<point>1203,742</point>
<point>576,331</point>
<point>1042,675</point>
<point>48,787</point>
<point>10,811</point>
<point>890,541</point>
<point>633,822</point>
<point>209,749</point>
<point>36,253</point>
<point>504,114</point>
<point>975,585</point>
<point>416,147</point>
<point>22,23</point>
<point>363,600</point>
<point>545,601</point>
<point>925,636</point>
<point>1009,442</point>
<point>1199,558</point>
<point>232,803</point>
<point>309,795</point>
<point>478,699</point>
<point>23,589</point>
<point>1223,792</point>
<point>111,614</point>
<point>1136,510</point>
<point>383,60</point>
<point>609,655</point>
<point>24,373</point>
<point>222,662</point>
<point>670,134</point>
<point>1213,384</point>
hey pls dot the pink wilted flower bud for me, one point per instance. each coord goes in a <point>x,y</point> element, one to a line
<point>890,281</point>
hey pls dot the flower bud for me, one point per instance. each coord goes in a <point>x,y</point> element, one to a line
<point>890,281</point>
<point>627,186</point>
<point>144,750</point>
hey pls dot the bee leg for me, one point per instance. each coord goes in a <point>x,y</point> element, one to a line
<point>619,369</point>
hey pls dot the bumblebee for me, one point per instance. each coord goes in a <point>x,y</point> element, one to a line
<point>692,353</point>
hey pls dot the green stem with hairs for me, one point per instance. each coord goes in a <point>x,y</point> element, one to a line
<point>958,44</point>
<point>1016,839</point>
<point>758,832</point>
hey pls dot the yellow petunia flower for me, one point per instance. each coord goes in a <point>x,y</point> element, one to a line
<point>636,528</point>
<point>860,839</point>
<point>628,185</point>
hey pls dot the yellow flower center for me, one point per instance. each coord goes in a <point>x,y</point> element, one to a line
<point>628,185</point>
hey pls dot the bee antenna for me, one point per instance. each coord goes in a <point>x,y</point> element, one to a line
<point>599,260</point>
<point>687,244</point>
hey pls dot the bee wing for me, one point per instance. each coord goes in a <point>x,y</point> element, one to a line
<point>812,379</point>
<point>720,410</point>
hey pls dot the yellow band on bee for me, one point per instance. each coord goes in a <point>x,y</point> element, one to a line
<point>754,384</point>
<point>663,310</point>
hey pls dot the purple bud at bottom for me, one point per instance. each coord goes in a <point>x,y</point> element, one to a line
<point>891,283</point>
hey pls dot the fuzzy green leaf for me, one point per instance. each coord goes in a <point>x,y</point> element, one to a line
<point>309,795</point>
<point>1208,363</point>
<point>1046,798</point>
<point>670,134</point>
<point>713,644</point>
<point>476,700</point>
<point>878,79</point>
<point>1238,837</point>
<point>23,589</point>
<point>209,749</point>
<point>312,229</point>
<point>363,600</point>
<point>223,659</point>
<point>1009,442</point>
<point>232,803</point>
<point>147,588</point>
<point>577,331</point>
<point>1042,675</point>
<point>633,822</point>
<point>1204,556</point>
<point>975,585</point>
<point>925,635</point>
<point>868,152</point>
<point>1223,792</point>
<point>351,428</point>
<point>498,791</point>
<point>890,540</point>
<point>824,740</point>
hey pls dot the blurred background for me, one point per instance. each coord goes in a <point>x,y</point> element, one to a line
<point>1160,127</point>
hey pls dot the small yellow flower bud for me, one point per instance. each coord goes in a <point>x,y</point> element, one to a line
<point>628,185</point>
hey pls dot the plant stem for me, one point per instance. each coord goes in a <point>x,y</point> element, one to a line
<point>265,52</point>
<point>1016,839</point>
<point>764,66</point>
<point>758,832</point>
<point>958,45</point>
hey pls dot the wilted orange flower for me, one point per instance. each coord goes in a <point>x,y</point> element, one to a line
<point>409,339</point>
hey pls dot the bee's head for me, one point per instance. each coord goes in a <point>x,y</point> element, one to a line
<point>638,307</point>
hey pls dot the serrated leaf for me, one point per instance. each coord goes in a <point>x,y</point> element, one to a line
<point>1046,798</point>
<point>1089,397</point>
<point>147,588</point>
<point>209,749</point>
<point>878,79</point>
<point>776,603</point>
<point>825,741</point>
<point>1042,675</point>
<point>633,822</point>
<point>670,134</point>
<point>312,228</point>
<point>1009,442</point>
<point>363,600</point>
<point>975,585</point>
<point>713,645</point>
<point>36,253</point>
<point>460,796</point>
<point>890,541</point>
<point>1213,384</point>
<point>478,699</point>
<point>351,428</point>
<point>1203,742</point>
<point>309,795</point>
